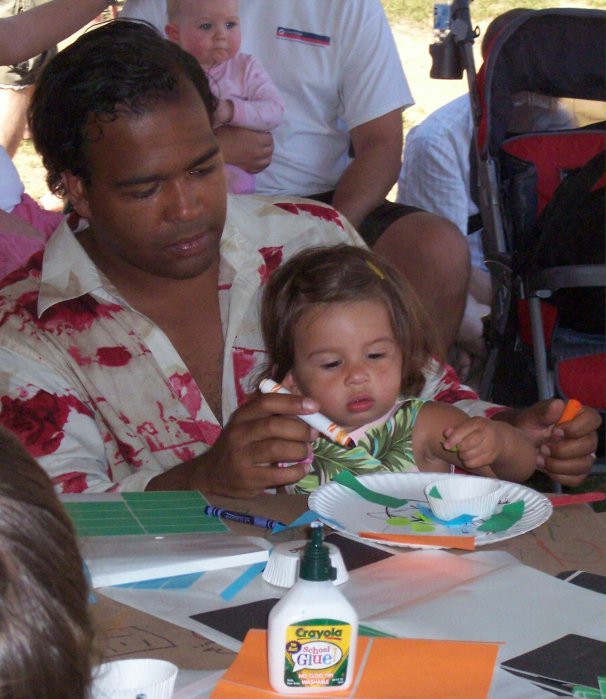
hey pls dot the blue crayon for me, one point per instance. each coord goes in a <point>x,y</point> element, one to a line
<point>242,517</point>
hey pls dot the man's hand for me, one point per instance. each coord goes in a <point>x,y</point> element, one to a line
<point>567,451</point>
<point>260,434</point>
<point>249,150</point>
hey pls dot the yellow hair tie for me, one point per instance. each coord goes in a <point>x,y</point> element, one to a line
<point>375,269</point>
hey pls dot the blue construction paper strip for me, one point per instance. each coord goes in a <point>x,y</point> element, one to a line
<point>456,522</point>
<point>174,582</point>
<point>309,517</point>
<point>243,580</point>
<point>92,597</point>
<point>182,582</point>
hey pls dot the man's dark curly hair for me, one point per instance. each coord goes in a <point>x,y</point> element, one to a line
<point>121,67</point>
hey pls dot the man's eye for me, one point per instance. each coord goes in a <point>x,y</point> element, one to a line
<point>202,171</point>
<point>144,193</point>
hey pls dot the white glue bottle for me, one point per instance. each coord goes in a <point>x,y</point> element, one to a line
<point>313,630</point>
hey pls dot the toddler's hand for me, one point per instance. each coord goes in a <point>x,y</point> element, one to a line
<point>477,442</point>
<point>224,113</point>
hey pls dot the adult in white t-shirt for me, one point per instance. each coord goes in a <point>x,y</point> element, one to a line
<point>337,68</point>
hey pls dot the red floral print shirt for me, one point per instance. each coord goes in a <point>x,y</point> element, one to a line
<point>97,392</point>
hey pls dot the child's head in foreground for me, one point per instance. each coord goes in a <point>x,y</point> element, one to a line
<point>343,327</point>
<point>46,634</point>
<point>208,29</point>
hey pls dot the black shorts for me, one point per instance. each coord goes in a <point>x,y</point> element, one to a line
<point>378,220</point>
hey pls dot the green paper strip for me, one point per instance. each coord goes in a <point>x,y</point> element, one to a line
<point>507,517</point>
<point>399,522</point>
<point>581,692</point>
<point>453,450</point>
<point>368,631</point>
<point>348,480</point>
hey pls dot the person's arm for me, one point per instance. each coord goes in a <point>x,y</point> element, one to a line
<point>245,148</point>
<point>261,108</point>
<point>29,33</point>
<point>367,180</point>
<point>56,423</point>
<point>53,421</point>
<point>14,226</point>
<point>433,177</point>
<point>244,460</point>
<point>445,434</point>
<point>567,451</point>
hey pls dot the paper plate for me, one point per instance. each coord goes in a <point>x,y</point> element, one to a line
<point>345,510</point>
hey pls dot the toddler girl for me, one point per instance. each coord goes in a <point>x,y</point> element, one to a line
<point>342,327</point>
<point>210,31</point>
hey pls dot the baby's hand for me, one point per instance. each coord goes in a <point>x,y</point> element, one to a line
<point>476,441</point>
<point>224,113</point>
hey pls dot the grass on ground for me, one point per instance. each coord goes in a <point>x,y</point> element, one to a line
<point>422,10</point>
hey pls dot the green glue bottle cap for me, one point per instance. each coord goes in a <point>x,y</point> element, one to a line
<point>315,564</point>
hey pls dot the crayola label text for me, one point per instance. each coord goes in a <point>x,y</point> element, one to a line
<point>316,653</point>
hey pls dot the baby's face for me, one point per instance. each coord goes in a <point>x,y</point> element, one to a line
<point>348,360</point>
<point>209,30</point>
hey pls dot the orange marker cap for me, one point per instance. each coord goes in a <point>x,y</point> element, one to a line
<point>571,410</point>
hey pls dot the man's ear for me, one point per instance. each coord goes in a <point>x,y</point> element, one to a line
<point>172,32</point>
<point>76,193</point>
<point>290,383</point>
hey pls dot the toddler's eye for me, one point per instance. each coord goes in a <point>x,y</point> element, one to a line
<point>206,26</point>
<point>331,365</point>
<point>376,355</point>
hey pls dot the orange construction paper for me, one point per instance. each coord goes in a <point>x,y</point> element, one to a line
<point>392,668</point>
<point>450,542</point>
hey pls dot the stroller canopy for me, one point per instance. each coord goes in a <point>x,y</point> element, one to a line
<point>533,54</point>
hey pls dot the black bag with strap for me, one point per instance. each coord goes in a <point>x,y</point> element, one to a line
<point>569,231</point>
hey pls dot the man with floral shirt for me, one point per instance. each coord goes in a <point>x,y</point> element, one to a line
<point>128,349</point>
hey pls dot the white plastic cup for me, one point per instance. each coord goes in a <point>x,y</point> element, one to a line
<point>136,678</point>
<point>282,569</point>
<point>463,495</point>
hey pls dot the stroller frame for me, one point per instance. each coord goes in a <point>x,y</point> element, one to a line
<point>556,53</point>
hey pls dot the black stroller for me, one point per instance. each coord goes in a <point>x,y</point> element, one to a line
<point>541,198</point>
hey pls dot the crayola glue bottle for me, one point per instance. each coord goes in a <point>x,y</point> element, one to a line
<point>313,629</point>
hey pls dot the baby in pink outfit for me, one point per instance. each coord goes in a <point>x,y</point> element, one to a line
<point>210,31</point>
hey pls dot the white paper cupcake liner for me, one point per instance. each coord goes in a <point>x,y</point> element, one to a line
<point>282,569</point>
<point>136,678</point>
<point>463,495</point>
